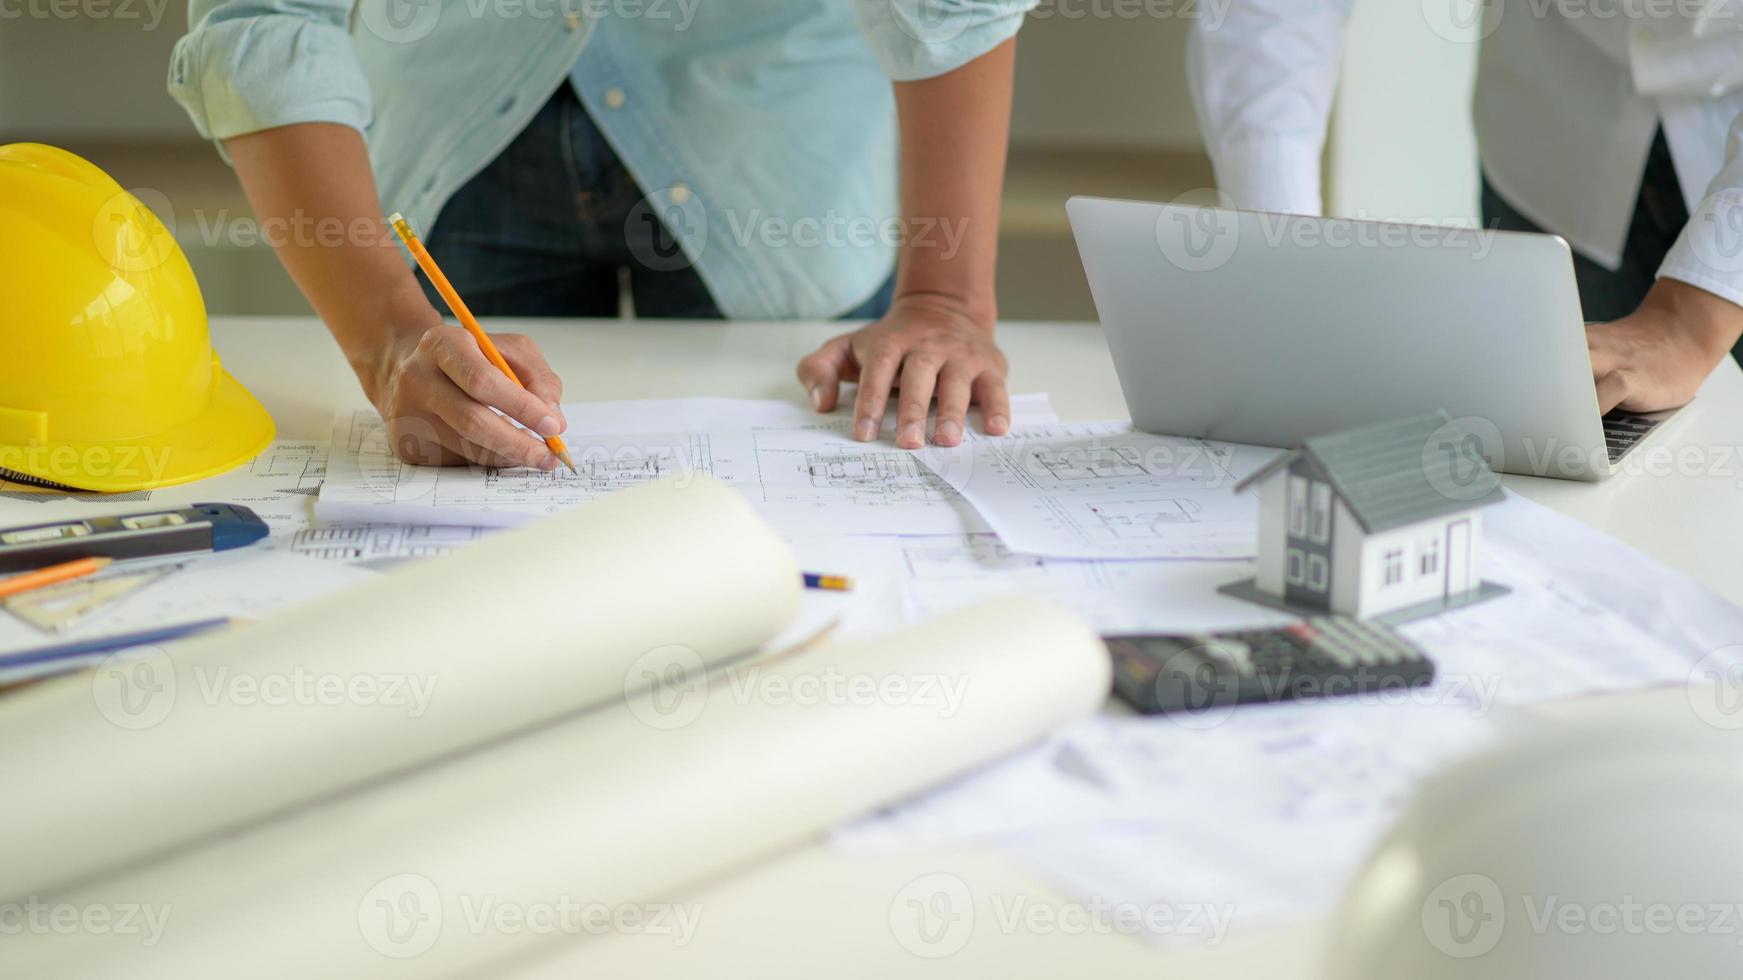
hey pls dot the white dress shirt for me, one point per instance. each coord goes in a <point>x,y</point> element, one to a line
<point>1569,94</point>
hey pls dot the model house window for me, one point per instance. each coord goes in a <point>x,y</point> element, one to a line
<point>1298,506</point>
<point>1321,512</point>
<point>1317,572</point>
<point>1293,572</point>
<point>1430,560</point>
<point>1392,564</point>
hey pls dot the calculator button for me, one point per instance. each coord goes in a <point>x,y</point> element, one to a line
<point>1339,642</point>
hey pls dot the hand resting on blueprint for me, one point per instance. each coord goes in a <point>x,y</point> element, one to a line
<point>923,348</point>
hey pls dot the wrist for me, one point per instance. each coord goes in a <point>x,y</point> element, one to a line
<point>376,337</point>
<point>977,312</point>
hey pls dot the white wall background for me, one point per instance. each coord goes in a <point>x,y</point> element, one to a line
<point>91,78</point>
<point>1401,146</point>
<point>1110,81</point>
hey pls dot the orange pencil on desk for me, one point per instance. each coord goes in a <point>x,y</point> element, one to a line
<point>52,575</point>
<point>467,320</point>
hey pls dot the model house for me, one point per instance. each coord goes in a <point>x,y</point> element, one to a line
<point>1380,521</point>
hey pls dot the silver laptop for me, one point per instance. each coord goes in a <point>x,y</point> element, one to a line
<point>1267,329</point>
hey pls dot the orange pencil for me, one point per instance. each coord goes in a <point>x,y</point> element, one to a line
<point>464,315</point>
<point>51,575</point>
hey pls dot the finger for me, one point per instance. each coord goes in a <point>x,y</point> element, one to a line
<point>955,388</point>
<point>877,372</point>
<point>824,369</point>
<point>480,427</point>
<point>1605,357</point>
<point>1612,391</point>
<point>995,403</point>
<point>459,446</point>
<point>534,371</point>
<point>919,377</point>
<point>458,356</point>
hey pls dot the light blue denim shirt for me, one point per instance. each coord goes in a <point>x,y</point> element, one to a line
<point>762,130</point>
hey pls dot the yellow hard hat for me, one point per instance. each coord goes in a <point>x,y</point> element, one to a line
<point>108,380</point>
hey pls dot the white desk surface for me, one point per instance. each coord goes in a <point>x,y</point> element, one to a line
<point>811,912</point>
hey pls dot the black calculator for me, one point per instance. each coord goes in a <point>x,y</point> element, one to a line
<point>1328,656</point>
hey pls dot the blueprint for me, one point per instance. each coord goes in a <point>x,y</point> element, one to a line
<point>244,584</point>
<point>1102,490</point>
<point>280,485</point>
<point>1587,614</point>
<point>375,545</point>
<point>802,471</point>
<point>1113,596</point>
<point>367,483</point>
<point>1270,809</point>
<point>1268,812</point>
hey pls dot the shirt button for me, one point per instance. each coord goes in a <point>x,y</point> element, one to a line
<point>680,194</point>
<point>614,98</point>
<point>572,22</point>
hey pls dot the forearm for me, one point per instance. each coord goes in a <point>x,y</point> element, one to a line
<point>954,130</point>
<point>1711,323</point>
<point>313,193</point>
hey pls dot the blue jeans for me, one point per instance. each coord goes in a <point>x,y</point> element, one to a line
<point>550,225</point>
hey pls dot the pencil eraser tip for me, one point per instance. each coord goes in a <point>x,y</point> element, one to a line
<point>395,218</point>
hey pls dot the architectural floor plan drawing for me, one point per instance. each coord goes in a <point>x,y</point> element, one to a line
<point>1138,520</point>
<point>1099,458</point>
<point>803,473</point>
<point>367,483</point>
<point>377,544</point>
<point>1102,490</point>
<point>1087,462</point>
<point>865,470</point>
<point>279,485</point>
<point>815,478</point>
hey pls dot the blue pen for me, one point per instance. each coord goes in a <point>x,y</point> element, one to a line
<point>108,644</point>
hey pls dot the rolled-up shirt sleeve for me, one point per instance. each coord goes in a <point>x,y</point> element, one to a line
<point>1709,252</point>
<point>1262,77</point>
<point>915,39</point>
<point>249,65</point>
<point>1702,66</point>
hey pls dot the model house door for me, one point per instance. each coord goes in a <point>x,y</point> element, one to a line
<point>1458,557</point>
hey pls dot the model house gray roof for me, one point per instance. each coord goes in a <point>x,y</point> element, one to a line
<point>1395,473</point>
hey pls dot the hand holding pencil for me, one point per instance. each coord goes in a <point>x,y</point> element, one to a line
<point>438,395</point>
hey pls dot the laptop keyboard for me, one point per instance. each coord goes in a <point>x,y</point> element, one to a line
<point>1623,430</point>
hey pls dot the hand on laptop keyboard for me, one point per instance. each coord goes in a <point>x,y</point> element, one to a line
<point>1656,357</point>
